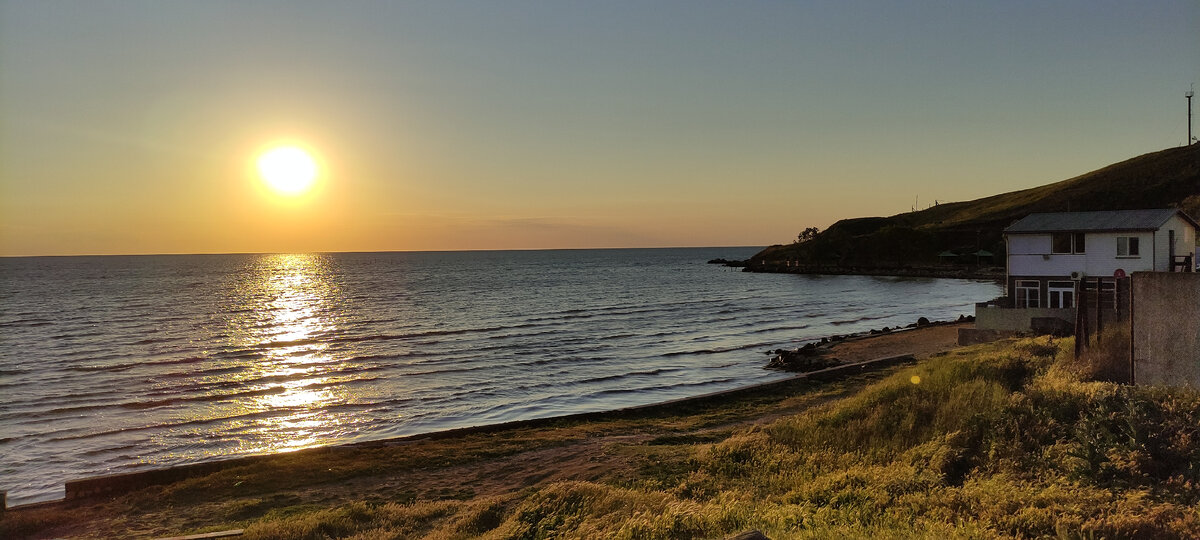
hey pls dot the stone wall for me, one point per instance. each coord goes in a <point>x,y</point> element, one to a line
<point>1016,319</point>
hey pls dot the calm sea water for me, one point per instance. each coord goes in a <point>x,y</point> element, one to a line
<point>114,364</point>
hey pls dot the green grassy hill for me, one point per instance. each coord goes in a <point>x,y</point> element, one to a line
<point>1168,178</point>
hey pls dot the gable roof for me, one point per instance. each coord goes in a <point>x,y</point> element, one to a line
<point>1113,220</point>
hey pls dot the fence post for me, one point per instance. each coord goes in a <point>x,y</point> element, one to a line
<point>1081,329</point>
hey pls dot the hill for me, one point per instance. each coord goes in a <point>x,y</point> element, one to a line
<point>1168,178</point>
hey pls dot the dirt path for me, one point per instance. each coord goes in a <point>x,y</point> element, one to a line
<point>922,342</point>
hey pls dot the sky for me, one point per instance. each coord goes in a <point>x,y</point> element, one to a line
<point>131,127</point>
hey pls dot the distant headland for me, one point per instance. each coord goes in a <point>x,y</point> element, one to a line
<point>964,239</point>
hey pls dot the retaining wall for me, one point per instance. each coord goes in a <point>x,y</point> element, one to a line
<point>1166,328</point>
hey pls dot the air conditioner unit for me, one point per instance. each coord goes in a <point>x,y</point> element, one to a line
<point>1076,275</point>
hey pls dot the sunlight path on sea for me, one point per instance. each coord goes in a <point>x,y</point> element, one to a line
<point>286,300</point>
<point>119,364</point>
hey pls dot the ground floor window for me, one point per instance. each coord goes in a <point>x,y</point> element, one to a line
<point>1028,294</point>
<point>1060,294</point>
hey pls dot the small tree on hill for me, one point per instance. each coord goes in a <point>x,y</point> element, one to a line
<point>807,234</point>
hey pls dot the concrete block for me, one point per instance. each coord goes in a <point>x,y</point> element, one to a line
<point>1166,328</point>
<point>975,336</point>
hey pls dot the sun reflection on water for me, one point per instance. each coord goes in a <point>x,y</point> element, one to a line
<point>291,298</point>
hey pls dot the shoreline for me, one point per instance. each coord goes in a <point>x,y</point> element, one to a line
<point>121,483</point>
<point>481,461</point>
<point>83,487</point>
<point>856,349</point>
<point>982,273</point>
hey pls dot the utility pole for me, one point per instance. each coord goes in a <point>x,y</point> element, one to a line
<point>1189,95</point>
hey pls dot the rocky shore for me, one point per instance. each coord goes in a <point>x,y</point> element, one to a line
<point>935,271</point>
<point>820,354</point>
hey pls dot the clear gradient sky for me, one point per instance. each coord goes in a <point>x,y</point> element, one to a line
<point>132,127</point>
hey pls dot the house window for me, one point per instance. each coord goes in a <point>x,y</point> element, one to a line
<point>1028,294</point>
<point>1060,294</point>
<point>1060,242</point>
<point>1066,243</point>
<point>1127,246</point>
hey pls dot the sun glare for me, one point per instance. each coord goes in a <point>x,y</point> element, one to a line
<point>287,170</point>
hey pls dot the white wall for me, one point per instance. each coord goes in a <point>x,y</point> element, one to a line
<point>1102,258</point>
<point>1028,244</point>
<point>1029,255</point>
<point>1185,242</point>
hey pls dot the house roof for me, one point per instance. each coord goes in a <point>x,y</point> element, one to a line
<point>1114,220</point>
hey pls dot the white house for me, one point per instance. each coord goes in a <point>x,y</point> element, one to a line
<point>1049,253</point>
<point>1052,256</point>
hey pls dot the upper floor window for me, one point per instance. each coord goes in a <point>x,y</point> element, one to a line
<point>1066,243</point>
<point>1127,246</point>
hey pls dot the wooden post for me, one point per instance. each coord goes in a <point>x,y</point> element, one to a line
<point>1081,320</point>
<point>1099,307</point>
<point>1116,297</point>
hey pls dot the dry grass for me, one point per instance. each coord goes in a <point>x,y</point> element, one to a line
<point>1002,440</point>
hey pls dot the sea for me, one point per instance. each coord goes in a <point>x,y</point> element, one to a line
<point>114,364</point>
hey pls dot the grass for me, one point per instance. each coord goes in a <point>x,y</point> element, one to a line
<point>1004,440</point>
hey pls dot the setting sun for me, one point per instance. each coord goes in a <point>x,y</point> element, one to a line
<point>287,170</point>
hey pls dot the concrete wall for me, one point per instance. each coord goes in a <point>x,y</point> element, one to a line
<point>1017,320</point>
<point>1166,328</point>
<point>975,336</point>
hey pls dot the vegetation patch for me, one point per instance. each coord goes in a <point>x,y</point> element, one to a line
<point>1003,440</point>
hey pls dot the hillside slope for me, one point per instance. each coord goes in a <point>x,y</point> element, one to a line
<point>1168,178</point>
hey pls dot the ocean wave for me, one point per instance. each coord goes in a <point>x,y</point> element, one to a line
<point>619,376</point>
<point>164,426</point>
<point>860,319</point>
<point>130,365</point>
<point>27,323</point>
<point>782,328</point>
<point>713,382</point>
<point>717,350</point>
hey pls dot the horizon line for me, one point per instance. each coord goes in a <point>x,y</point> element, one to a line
<point>176,254</point>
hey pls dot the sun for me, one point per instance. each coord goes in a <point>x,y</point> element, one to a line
<point>287,170</point>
